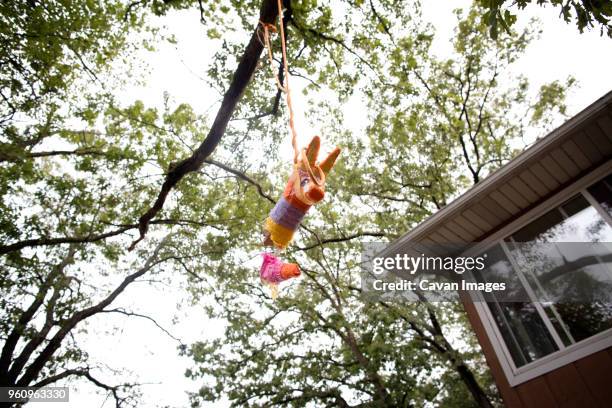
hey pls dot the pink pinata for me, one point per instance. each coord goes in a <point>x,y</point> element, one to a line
<point>273,271</point>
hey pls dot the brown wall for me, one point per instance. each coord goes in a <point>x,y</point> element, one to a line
<point>584,383</point>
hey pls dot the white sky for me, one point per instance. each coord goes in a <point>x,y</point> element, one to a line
<point>148,353</point>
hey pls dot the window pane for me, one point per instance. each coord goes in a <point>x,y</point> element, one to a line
<point>574,221</point>
<point>602,191</point>
<point>572,281</point>
<point>520,325</point>
<point>537,229</point>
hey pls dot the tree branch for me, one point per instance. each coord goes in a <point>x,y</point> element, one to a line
<point>341,239</point>
<point>34,369</point>
<point>382,22</point>
<point>149,318</point>
<point>242,176</point>
<point>335,41</point>
<point>85,373</point>
<point>6,157</point>
<point>12,339</point>
<point>242,77</point>
<point>4,249</point>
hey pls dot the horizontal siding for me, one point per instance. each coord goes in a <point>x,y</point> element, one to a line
<point>585,144</point>
<point>509,394</point>
<point>478,220</point>
<point>524,190</point>
<point>544,176</point>
<point>572,150</point>
<point>462,233</point>
<point>588,381</point>
<point>473,229</point>
<point>565,162</point>
<point>533,182</point>
<point>485,214</point>
<point>553,168</point>
<point>504,202</point>
<point>599,139</point>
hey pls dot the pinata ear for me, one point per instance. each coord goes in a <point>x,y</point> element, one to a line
<point>312,151</point>
<point>327,164</point>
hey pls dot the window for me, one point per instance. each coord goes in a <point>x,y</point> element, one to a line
<point>562,286</point>
<point>520,324</point>
<point>602,192</point>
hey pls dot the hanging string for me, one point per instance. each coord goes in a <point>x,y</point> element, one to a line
<point>287,89</point>
<point>283,87</point>
<point>267,28</point>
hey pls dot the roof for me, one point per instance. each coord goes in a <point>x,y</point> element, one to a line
<point>581,144</point>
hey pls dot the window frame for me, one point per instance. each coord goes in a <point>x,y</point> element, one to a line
<point>566,354</point>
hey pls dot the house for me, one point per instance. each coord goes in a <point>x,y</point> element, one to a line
<point>553,353</point>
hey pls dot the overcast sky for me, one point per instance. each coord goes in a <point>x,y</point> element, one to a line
<point>141,348</point>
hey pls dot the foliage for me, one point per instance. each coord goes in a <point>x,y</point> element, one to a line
<point>78,167</point>
<point>587,14</point>
<point>432,122</point>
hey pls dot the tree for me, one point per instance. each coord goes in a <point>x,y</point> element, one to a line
<point>78,169</point>
<point>64,210</point>
<point>434,122</point>
<point>587,14</point>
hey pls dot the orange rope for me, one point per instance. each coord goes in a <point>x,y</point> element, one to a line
<point>284,88</point>
<point>267,28</point>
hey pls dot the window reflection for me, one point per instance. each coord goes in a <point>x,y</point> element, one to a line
<point>521,326</point>
<point>602,192</point>
<point>571,281</point>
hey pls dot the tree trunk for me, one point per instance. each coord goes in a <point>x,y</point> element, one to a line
<point>475,389</point>
<point>466,375</point>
